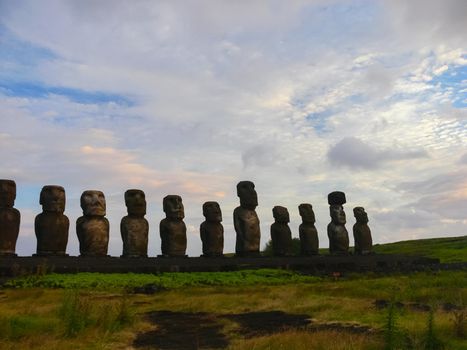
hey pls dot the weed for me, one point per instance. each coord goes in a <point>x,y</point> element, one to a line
<point>394,337</point>
<point>79,312</point>
<point>75,312</point>
<point>459,319</point>
<point>431,341</point>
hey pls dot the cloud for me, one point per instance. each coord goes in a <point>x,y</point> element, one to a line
<point>354,153</point>
<point>463,159</point>
<point>190,97</point>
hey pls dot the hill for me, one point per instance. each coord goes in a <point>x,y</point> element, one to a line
<point>450,249</point>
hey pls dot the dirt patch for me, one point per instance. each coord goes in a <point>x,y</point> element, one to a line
<point>184,331</point>
<point>254,324</point>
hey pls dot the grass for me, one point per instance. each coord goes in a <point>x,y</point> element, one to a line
<point>451,249</point>
<point>300,340</point>
<point>109,318</point>
<point>95,311</point>
<point>102,281</point>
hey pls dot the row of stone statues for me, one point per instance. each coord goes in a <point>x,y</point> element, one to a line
<point>52,226</point>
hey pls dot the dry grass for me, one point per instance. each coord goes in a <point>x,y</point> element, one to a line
<point>303,340</point>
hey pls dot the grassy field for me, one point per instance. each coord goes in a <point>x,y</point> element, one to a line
<point>260,309</point>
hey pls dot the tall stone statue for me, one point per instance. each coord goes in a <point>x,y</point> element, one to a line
<point>51,226</point>
<point>281,235</point>
<point>9,218</point>
<point>93,228</point>
<point>246,221</point>
<point>362,233</point>
<point>309,243</point>
<point>134,227</point>
<point>212,231</point>
<point>337,233</point>
<point>172,228</point>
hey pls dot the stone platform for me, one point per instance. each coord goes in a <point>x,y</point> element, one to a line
<point>11,266</point>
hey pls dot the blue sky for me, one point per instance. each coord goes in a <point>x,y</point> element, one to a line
<point>188,98</point>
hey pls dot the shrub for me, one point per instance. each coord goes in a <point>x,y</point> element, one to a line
<point>431,341</point>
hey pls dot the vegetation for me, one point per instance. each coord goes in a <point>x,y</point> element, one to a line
<point>422,310</point>
<point>451,249</point>
<point>169,280</point>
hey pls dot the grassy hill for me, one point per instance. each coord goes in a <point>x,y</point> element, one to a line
<point>450,249</point>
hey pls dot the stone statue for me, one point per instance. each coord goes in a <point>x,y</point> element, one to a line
<point>309,243</point>
<point>172,228</point>
<point>337,233</point>
<point>9,218</point>
<point>212,231</point>
<point>134,227</point>
<point>246,221</point>
<point>93,228</point>
<point>281,235</point>
<point>51,226</point>
<point>362,233</point>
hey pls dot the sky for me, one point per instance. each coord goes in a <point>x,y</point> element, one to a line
<point>189,97</point>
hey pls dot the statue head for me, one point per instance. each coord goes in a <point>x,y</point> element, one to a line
<point>52,199</point>
<point>212,212</point>
<point>336,198</point>
<point>7,193</point>
<point>173,207</point>
<point>307,213</point>
<point>281,214</point>
<point>93,203</point>
<point>135,201</point>
<point>248,196</point>
<point>337,214</point>
<point>360,215</point>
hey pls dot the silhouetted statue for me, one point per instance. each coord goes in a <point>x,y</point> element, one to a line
<point>134,227</point>
<point>309,243</point>
<point>52,226</point>
<point>281,235</point>
<point>93,228</point>
<point>362,233</point>
<point>212,231</point>
<point>337,233</point>
<point>172,228</point>
<point>246,221</point>
<point>9,218</point>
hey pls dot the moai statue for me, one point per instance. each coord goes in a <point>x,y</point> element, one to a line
<point>134,227</point>
<point>172,228</point>
<point>246,221</point>
<point>9,218</point>
<point>93,228</point>
<point>212,231</point>
<point>51,226</point>
<point>309,243</point>
<point>362,233</point>
<point>337,233</point>
<point>281,235</point>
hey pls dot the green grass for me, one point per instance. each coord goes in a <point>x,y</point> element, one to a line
<point>169,280</point>
<point>451,249</point>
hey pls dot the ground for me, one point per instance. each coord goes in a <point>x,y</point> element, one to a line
<point>262,309</point>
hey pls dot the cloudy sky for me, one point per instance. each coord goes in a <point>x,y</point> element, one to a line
<point>190,97</point>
